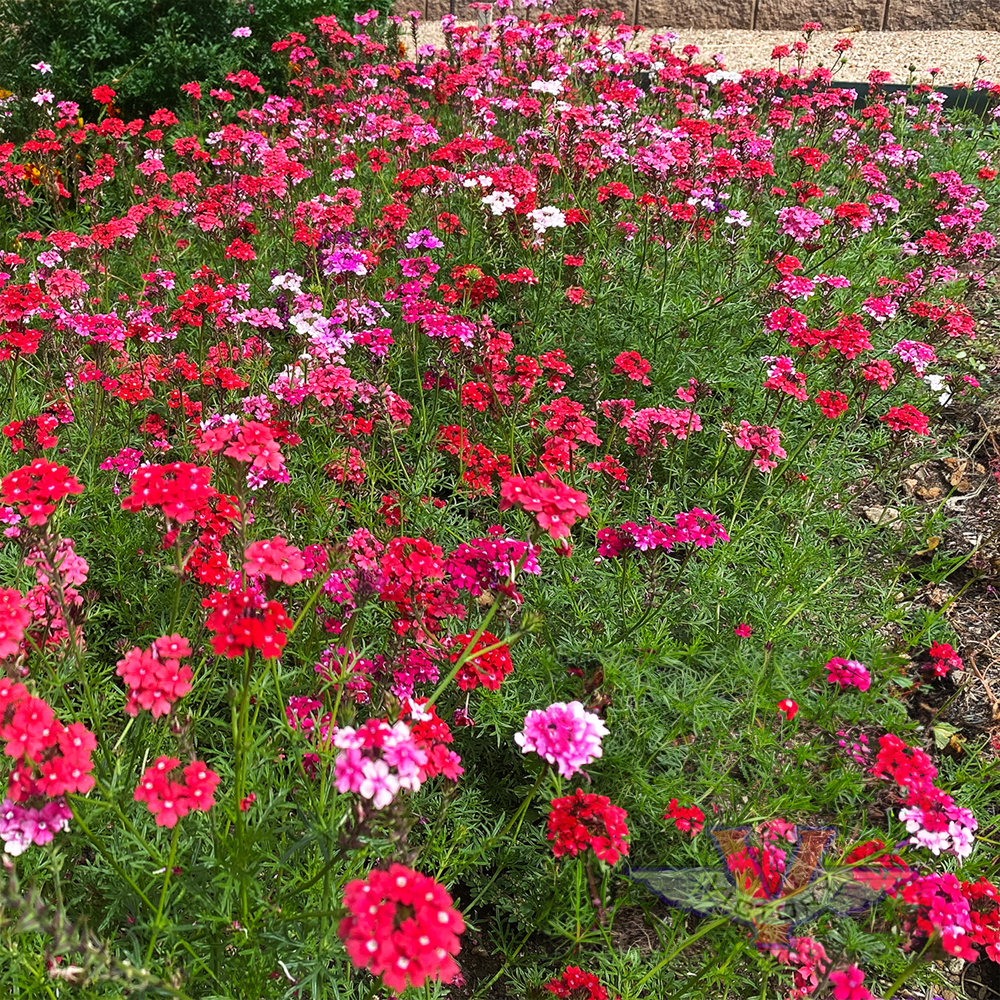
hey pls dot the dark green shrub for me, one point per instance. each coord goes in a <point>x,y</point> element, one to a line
<point>145,49</point>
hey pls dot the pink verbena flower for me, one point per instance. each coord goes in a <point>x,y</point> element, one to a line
<point>848,673</point>
<point>555,505</point>
<point>564,734</point>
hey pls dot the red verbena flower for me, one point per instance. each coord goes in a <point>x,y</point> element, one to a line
<point>575,984</point>
<point>36,489</point>
<point>687,819</point>
<point>401,925</point>
<point>488,669</point>
<point>583,820</point>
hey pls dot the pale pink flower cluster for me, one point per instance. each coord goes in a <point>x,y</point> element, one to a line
<point>915,353</point>
<point>22,825</point>
<point>802,224</point>
<point>566,735</point>
<point>377,760</point>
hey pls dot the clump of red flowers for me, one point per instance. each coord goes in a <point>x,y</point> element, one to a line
<point>687,819</point>
<point>575,984</point>
<point>35,489</point>
<point>583,820</point>
<point>488,669</point>
<point>155,676</point>
<point>402,926</point>
<point>181,490</point>
<point>241,620</point>
<point>170,800</point>
<point>906,418</point>
<point>944,658</point>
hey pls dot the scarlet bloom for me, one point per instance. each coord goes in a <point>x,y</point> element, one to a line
<point>582,820</point>
<point>170,800</point>
<point>402,926</point>
<point>789,707</point>
<point>573,984</point>
<point>906,418</point>
<point>686,818</point>
<point>555,505</point>
<point>633,365</point>
<point>36,489</point>
<point>488,669</point>
<point>833,404</point>
<point>103,94</point>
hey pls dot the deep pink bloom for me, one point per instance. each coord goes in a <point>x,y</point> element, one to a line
<point>789,707</point>
<point>848,673</point>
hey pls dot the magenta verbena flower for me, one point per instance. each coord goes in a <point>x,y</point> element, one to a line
<point>566,735</point>
<point>848,673</point>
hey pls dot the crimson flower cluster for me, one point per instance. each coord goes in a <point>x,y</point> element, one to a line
<point>401,925</point>
<point>488,669</point>
<point>579,821</point>
<point>687,819</point>
<point>944,658</point>
<point>170,800</point>
<point>155,676</point>
<point>575,984</point>
<point>35,489</point>
<point>50,759</point>
<point>243,620</point>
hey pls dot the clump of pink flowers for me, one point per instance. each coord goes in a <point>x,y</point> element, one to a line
<point>848,673</point>
<point>765,442</point>
<point>566,735</point>
<point>155,676</point>
<point>931,815</point>
<point>378,760</point>
<point>695,527</point>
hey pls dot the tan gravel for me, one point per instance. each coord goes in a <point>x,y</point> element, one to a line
<point>953,52</point>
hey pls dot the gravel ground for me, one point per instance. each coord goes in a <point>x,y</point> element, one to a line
<point>953,52</point>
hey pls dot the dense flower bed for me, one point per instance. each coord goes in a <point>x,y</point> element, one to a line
<point>393,460</point>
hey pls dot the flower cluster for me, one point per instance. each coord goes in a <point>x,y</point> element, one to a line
<point>943,659</point>
<point>579,821</point>
<point>566,735</point>
<point>847,673</point>
<point>488,669</point>
<point>694,527</point>
<point>50,759</point>
<point>275,559</point>
<point>687,819</point>
<point>170,800</point>
<point>35,489</point>
<point>378,760</point>
<point>932,817</point>
<point>765,442</point>
<point>555,505</point>
<point>155,676</point>
<point>401,925</point>
<point>575,984</point>
<point>243,620</point>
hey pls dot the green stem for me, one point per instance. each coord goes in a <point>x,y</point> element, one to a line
<point>158,920</point>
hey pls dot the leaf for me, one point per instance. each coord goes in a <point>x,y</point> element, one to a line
<point>943,734</point>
